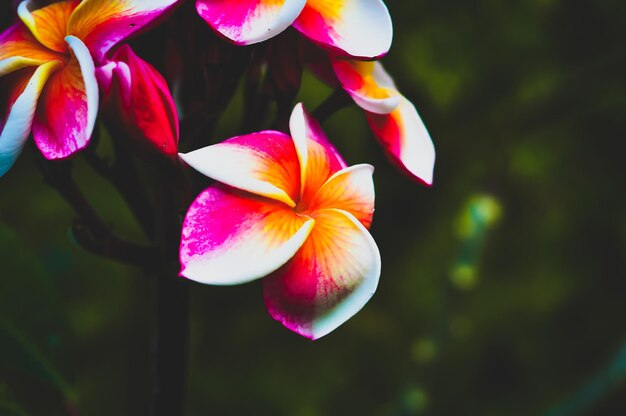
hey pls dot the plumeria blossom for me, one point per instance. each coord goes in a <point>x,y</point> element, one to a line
<point>356,28</point>
<point>47,64</point>
<point>392,117</point>
<point>289,210</point>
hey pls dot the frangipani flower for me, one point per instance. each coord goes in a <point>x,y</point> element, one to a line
<point>287,209</point>
<point>392,118</point>
<point>137,97</point>
<point>357,28</point>
<point>51,57</point>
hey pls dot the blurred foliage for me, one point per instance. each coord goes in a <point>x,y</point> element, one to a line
<point>503,285</point>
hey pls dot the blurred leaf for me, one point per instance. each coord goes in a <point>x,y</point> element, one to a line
<point>33,326</point>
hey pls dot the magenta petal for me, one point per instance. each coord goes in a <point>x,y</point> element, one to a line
<point>18,109</point>
<point>67,110</point>
<point>231,237</point>
<point>329,280</point>
<point>102,24</point>
<point>262,163</point>
<point>403,134</point>
<point>357,28</point>
<point>249,21</point>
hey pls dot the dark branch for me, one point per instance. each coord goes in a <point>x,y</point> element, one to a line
<point>114,248</point>
<point>336,101</point>
<point>89,230</point>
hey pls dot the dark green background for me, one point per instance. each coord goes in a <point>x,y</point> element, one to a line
<point>503,289</point>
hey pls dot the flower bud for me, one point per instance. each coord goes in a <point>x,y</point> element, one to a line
<point>137,98</point>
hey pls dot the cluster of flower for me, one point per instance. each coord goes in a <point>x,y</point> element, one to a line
<point>284,207</point>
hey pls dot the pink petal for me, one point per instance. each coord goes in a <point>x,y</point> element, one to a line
<point>319,159</point>
<point>262,163</point>
<point>24,88</point>
<point>48,24</point>
<point>138,97</point>
<point>19,49</point>
<point>67,111</point>
<point>102,24</point>
<point>357,28</point>
<point>249,21</point>
<point>352,190</point>
<point>329,280</point>
<point>368,84</point>
<point>406,140</point>
<point>231,237</point>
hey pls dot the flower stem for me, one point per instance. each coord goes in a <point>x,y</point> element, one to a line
<point>89,230</point>
<point>95,236</point>
<point>335,102</point>
<point>172,299</point>
<point>171,345</point>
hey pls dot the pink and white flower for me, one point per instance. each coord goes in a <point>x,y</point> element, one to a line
<point>356,28</point>
<point>47,65</point>
<point>289,210</point>
<point>392,117</point>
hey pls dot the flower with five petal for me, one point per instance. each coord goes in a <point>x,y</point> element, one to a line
<point>356,28</point>
<point>47,65</point>
<point>287,209</point>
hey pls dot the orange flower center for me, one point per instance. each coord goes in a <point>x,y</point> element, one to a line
<point>49,25</point>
